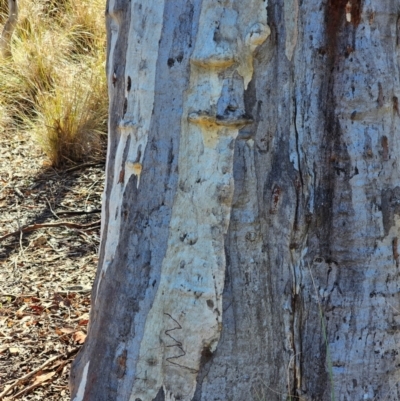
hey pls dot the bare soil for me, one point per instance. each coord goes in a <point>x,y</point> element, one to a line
<point>49,238</point>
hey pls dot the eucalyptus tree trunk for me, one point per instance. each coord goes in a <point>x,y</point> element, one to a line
<point>8,30</point>
<point>251,221</point>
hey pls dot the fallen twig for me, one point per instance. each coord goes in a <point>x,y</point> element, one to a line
<point>82,166</point>
<point>26,390</point>
<point>5,186</point>
<point>79,289</point>
<point>67,224</point>
<point>78,212</point>
<point>3,294</point>
<point>32,373</point>
<point>51,209</point>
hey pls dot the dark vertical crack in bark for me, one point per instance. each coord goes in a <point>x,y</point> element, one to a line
<point>296,319</point>
<point>297,143</point>
<point>300,227</point>
<point>299,184</point>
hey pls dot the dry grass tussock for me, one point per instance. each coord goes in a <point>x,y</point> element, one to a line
<point>54,84</point>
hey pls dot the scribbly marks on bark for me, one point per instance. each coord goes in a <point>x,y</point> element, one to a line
<point>176,344</point>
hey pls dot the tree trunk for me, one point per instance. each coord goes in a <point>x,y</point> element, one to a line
<point>251,222</point>
<point>8,30</point>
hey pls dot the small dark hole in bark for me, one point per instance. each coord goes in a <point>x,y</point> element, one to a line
<point>210,303</point>
<point>217,35</point>
<point>129,83</point>
<point>152,361</point>
<point>206,353</point>
<point>171,62</point>
<point>125,106</point>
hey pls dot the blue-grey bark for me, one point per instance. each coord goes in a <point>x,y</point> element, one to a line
<point>302,133</point>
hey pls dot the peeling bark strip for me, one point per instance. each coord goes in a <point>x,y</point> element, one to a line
<point>146,22</point>
<point>186,317</point>
<point>82,386</point>
<point>291,19</point>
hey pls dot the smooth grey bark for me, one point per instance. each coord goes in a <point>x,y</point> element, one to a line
<point>8,30</point>
<point>304,230</point>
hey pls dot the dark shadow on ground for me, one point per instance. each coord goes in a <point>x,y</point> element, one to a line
<point>41,199</point>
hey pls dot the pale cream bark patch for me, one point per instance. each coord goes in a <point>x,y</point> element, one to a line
<point>140,73</point>
<point>186,317</point>
<point>291,8</point>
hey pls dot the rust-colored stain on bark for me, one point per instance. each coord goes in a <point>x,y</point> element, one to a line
<point>348,51</point>
<point>371,17</point>
<point>121,360</point>
<point>385,148</point>
<point>121,177</point>
<point>396,105</point>
<point>337,13</point>
<point>356,10</point>
<point>276,194</point>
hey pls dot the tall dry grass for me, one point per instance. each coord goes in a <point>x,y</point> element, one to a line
<point>54,84</point>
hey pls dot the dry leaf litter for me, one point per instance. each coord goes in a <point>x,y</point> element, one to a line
<point>49,238</point>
